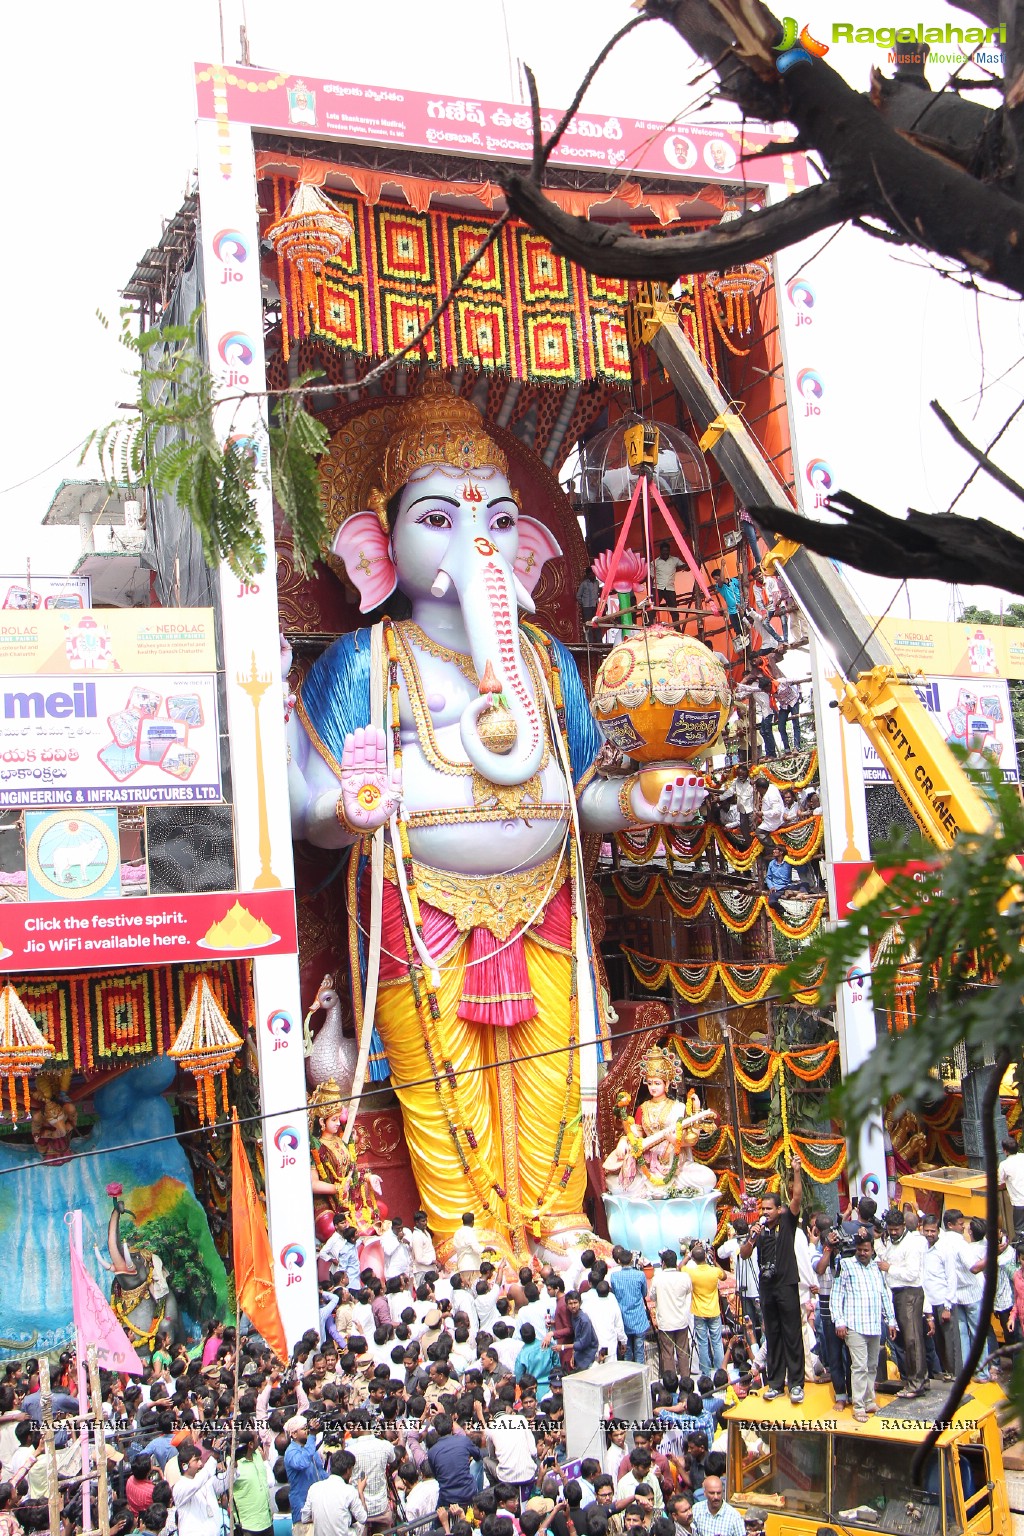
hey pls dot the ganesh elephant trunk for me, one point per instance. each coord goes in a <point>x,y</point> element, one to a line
<point>487,592</point>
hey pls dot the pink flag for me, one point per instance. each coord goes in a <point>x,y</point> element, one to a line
<point>96,1323</point>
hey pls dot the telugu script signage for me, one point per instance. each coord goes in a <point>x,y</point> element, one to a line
<point>124,740</point>
<point>494,129</point>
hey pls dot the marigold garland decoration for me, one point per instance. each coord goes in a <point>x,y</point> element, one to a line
<point>695,983</point>
<point>100,1019</point>
<point>523,309</point>
<point>823,1156</point>
<point>763,1066</point>
<point>205,1045</point>
<point>23,1048</point>
<point>801,839</point>
<point>738,910</point>
<point>701,1058</point>
<point>795,770</point>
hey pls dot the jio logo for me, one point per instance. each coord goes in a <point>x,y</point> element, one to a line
<point>279,1025</point>
<point>293,1257</point>
<point>286,1140</point>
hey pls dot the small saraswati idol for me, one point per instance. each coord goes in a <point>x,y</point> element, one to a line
<point>658,1192</point>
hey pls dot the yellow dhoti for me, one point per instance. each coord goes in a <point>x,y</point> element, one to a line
<point>523,1114</point>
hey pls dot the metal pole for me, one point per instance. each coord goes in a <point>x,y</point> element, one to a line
<point>101,1443</point>
<point>234,1414</point>
<point>49,1450</point>
<point>83,1393</point>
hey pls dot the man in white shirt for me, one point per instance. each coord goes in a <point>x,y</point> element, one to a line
<point>334,1506</point>
<point>1011,1177</point>
<point>397,1257</point>
<point>745,1271</point>
<point>463,1300</point>
<point>513,1443</point>
<point>535,1311</point>
<point>901,1260</point>
<point>467,1248</point>
<point>938,1277</point>
<point>421,1246</point>
<point>196,1494</point>
<point>672,1292</point>
<point>507,1346</point>
<point>340,1251</point>
<point>773,809</point>
<point>969,1258</point>
<point>486,1302</point>
<point>665,567</point>
<point>604,1312</point>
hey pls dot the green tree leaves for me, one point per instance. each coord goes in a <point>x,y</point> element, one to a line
<point>171,441</point>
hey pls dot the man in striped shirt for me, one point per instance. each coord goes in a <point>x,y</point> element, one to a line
<point>629,1287</point>
<point>861,1306</point>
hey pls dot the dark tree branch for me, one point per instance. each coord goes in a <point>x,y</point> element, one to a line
<point>615,251</point>
<point>989,1105</point>
<point>875,169</point>
<point>977,454</point>
<point>937,546</point>
<point>939,121</point>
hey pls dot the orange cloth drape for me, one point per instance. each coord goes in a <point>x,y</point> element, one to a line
<point>254,1262</point>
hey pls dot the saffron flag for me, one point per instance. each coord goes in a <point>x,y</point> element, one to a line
<point>97,1324</point>
<point>254,1264</point>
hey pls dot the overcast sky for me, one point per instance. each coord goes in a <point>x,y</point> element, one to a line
<point>100,109</point>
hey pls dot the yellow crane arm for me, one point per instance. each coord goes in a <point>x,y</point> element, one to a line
<point>937,791</point>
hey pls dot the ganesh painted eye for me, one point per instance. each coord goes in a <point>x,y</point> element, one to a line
<point>436,520</point>
<point>503,521</point>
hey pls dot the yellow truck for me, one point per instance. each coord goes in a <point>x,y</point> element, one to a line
<point>813,1470</point>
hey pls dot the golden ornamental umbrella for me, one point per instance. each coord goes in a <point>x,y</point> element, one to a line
<point>23,1048</point>
<point>205,1045</point>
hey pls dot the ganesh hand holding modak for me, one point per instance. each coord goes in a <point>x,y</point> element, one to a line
<point>453,752</point>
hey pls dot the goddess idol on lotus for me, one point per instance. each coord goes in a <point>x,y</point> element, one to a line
<point>453,751</point>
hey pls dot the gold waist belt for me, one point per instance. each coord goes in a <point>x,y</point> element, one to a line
<point>499,903</point>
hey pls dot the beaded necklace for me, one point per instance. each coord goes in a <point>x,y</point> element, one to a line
<point>421,714</point>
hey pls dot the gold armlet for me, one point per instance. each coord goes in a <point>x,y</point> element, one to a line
<point>625,794</point>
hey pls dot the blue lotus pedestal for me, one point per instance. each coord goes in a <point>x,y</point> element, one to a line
<point>650,1226</point>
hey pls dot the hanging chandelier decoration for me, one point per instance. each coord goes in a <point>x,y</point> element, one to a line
<point>310,232</point>
<point>206,1045</point>
<point>735,289</point>
<point>23,1048</point>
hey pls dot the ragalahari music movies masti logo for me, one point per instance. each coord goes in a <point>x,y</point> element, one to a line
<point>797,46</point>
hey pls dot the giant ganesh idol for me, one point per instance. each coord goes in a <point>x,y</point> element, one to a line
<point>453,752</point>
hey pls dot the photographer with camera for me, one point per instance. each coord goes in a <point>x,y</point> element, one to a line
<point>832,1246</point>
<point>773,1240</point>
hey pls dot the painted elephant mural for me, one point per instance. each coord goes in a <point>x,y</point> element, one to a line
<point>130,1143</point>
<point>453,752</point>
<point>140,1294</point>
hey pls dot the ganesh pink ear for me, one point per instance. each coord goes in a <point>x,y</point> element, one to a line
<point>363,545</point>
<point>536,545</point>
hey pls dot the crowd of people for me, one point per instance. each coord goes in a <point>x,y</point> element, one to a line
<point>435,1398</point>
